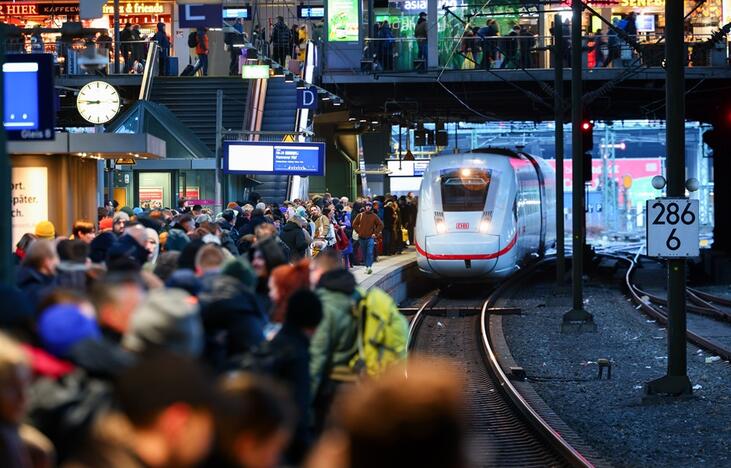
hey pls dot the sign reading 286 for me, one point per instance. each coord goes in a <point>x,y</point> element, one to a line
<point>672,227</point>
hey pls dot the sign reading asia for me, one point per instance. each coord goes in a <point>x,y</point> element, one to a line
<point>29,199</point>
<point>298,158</point>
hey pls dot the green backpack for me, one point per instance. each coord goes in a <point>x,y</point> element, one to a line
<point>383,333</point>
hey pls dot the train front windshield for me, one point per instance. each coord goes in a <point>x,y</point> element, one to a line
<point>464,189</point>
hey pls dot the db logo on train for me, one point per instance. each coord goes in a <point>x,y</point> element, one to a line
<point>463,226</point>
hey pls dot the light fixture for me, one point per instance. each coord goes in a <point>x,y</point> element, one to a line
<point>326,97</point>
<point>363,121</point>
<point>352,119</point>
<point>337,102</point>
<point>301,84</point>
<point>289,78</point>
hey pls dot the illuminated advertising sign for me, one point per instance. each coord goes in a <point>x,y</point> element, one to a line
<point>255,72</point>
<point>246,157</point>
<point>342,20</point>
<point>29,97</point>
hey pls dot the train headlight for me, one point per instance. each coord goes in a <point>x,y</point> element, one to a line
<point>441,226</point>
<point>484,226</point>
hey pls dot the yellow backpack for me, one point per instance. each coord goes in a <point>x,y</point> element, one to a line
<point>382,333</point>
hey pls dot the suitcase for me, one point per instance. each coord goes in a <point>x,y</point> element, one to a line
<point>189,69</point>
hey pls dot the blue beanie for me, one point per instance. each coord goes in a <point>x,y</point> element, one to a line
<point>62,326</point>
<point>138,211</point>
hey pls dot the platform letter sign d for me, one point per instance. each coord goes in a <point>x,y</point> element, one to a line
<point>307,98</point>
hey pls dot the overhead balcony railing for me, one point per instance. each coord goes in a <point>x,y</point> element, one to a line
<point>468,52</point>
<point>89,57</point>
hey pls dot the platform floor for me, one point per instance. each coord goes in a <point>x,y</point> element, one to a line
<point>383,267</point>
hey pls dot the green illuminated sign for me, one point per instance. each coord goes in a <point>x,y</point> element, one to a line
<point>342,20</point>
<point>255,72</point>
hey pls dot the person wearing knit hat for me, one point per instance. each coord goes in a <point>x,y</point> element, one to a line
<point>126,209</point>
<point>241,269</point>
<point>260,206</point>
<point>45,230</point>
<point>106,224</point>
<point>302,212</point>
<point>168,320</point>
<point>232,205</point>
<point>119,221</point>
<point>62,326</point>
<point>138,211</point>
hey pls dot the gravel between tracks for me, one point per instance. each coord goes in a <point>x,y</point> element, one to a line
<point>611,414</point>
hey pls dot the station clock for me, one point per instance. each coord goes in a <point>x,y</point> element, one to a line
<point>98,102</point>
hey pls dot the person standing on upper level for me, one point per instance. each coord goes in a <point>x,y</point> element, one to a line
<point>281,42</point>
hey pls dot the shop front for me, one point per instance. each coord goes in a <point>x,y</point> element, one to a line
<point>50,17</point>
<point>63,180</point>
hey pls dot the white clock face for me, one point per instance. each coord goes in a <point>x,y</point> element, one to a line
<point>98,102</point>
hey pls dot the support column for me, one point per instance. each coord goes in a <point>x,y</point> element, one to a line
<point>577,319</point>
<point>676,381</point>
<point>432,17</point>
<point>558,109</point>
<point>116,37</point>
<point>7,266</point>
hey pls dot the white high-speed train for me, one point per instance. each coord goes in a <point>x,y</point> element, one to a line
<point>482,214</point>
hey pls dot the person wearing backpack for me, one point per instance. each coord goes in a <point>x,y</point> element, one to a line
<point>334,343</point>
<point>192,44</point>
<point>201,49</point>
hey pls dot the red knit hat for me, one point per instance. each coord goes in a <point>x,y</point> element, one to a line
<point>106,224</point>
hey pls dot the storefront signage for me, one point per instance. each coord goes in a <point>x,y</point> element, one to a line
<point>29,199</point>
<point>422,5</point>
<point>136,8</point>
<point>22,9</point>
<point>342,20</point>
<point>641,3</point>
<point>29,110</point>
<point>274,158</point>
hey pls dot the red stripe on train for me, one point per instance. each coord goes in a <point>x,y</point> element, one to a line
<point>489,256</point>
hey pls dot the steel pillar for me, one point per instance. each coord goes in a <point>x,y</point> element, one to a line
<point>676,381</point>
<point>577,319</point>
<point>558,110</point>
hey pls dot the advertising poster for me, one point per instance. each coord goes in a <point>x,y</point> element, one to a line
<point>29,187</point>
<point>342,20</point>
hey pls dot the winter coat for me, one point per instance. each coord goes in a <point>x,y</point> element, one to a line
<point>335,341</point>
<point>294,237</point>
<point>292,368</point>
<point>33,284</point>
<point>101,358</point>
<point>421,32</point>
<point>232,320</point>
<point>281,35</point>
<point>367,224</point>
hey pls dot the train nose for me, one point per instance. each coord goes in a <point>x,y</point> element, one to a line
<point>463,255</point>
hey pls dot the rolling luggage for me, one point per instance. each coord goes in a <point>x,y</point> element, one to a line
<point>189,69</point>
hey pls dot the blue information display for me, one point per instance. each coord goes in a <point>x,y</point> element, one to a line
<point>244,157</point>
<point>29,97</point>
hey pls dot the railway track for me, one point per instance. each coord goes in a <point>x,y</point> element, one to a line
<point>505,430</point>
<point>699,303</point>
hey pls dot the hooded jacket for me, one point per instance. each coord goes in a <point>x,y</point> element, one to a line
<point>335,341</point>
<point>294,237</point>
<point>232,321</point>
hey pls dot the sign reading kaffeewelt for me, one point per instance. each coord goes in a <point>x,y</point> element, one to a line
<point>72,9</point>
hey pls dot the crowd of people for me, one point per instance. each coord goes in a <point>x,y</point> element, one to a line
<point>165,338</point>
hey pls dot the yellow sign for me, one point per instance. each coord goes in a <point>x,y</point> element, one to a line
<point>288,139</point>
<point>627,181</point>
<point>136,8</point>
<point>642,3</point>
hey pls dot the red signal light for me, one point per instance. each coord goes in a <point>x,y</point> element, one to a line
<point>586,126</point>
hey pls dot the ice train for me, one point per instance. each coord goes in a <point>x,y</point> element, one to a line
<point>482,214</point>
